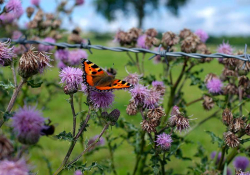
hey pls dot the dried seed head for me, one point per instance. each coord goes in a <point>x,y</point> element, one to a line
<point>39,16</point>
<point>28,64</point>
<point>155,114</point>
<point>230,89</point>
<point>74,38</point>
<point>134,33</point>
<point>6,147</point>
<point>209,77</point>
<point>151,32</point>
<point>30,11</point>
<point>56,24</point>
<point>231,63</point>
<point>208,102</point>
<point>227,117</point>
<point>179,121</point>
<point>237,125</point>
<point>190,43</point>
<point>170,39</point>
<point>50,16</point>
<point>185,33</point>
<point>44,60</point>
<point>32,24</point>
<point>247,129</point>
<point>229,73</point>
<point>231,139</point>
<point>208,59</point>
<point>131,108</point>
<point>147,126</point>
<point>201,47</point>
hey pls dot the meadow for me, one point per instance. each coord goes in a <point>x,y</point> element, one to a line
<point>58,110</point>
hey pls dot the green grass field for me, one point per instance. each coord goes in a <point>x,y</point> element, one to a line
<point>60,113</point>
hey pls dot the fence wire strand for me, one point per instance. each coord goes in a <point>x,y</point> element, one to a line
<point>245,57</point>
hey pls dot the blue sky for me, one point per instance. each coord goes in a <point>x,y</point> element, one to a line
<point>217,17</point>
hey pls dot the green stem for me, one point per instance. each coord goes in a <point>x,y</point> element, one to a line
<point>137,63</point>
<point>111,156</point>
<point>139,155</point>
<point>71,100</point>
<point>231,156</point>
<point>194,101</point>
<point>220,165</point>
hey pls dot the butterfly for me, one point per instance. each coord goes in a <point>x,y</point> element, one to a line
<point>101,80</point>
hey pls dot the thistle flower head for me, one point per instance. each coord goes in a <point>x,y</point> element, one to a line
<point>214,85</point>
<point>16,35</point>
<point>141,42</point>
<point>75,56</point>
<point>46,48</point>
<point>237,124</point>
<point>131,108</point>
<point>19,167</point>
<point>208,102</point>
<point>139,93</point>
<point>6,53</point>
<point>241,163</point>
<point>178,120</point>
<point>170,39</point>
<point>159,86</point>
<point>225,48</point>
<point>29,64</point>
<point>175,111</point>
<point>79,2</point>
<point>71,77</point>
<point>35,2</point>
<point>62,55</point>
<point>102,100</point>
<point>227,117</point>
<point>202,34</point>
<point>148,126</point>
<point>44,60</point>
<point>231,139</point>
<point>152,99</point>
<point>27,124</point>
<point>185,33</point>
<point>155,114</point>
<point>133,78</point>
<point>164,141</point>
<point>78,172</point>
<point>14,7</point>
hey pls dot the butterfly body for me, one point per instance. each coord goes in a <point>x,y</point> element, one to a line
<point>101,80</point>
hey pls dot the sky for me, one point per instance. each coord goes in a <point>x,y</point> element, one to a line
<point>217,17</point>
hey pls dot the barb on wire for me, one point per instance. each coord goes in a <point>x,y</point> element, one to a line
<point>245,57</point>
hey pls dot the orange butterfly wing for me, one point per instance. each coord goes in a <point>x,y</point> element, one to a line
<point>91,71</point>
<point>117,84</point>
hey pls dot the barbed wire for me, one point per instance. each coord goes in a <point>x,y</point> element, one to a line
<point>245,57</point>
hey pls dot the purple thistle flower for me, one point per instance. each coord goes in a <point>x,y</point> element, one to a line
<point>61,65</point>
<point>84,88</point>
<point>241,162</point>
<point>14,7</point>
<point>139,92</point>
<point>75,56</point>
<point>27,124</point>
<point>141,42</point>
<point>35,2</point>
<point>16,34</point>
<point>46,48</point>
<point>202,35</point>
<point>164,141</point>
<point>62,55</point>
<point>229,172</point>
<point>101,99</point>
<point>213,154</point>
<point>214,85</point>
<point>78,172</point>
<point>158,83</point>
<point>8,167</point>
<point>133,79</point>
<point>225,48</point>
<point>152,99</point>
<point>6,53</point>
<point>175,111</point>
<point>7,18</point>
<point>244,173</point>
<point>79,2</point>
<point>72,77</point>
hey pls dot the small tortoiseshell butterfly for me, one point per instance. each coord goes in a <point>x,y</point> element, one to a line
<point>101,80</point>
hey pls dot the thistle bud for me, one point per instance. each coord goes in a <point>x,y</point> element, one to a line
<point>231,139</point>
<point>227,117</point>
<point>6,147</point>
<point>105,114</point>
<point>113,116</point>
<point>70,89</point>
<point>28,64</point>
